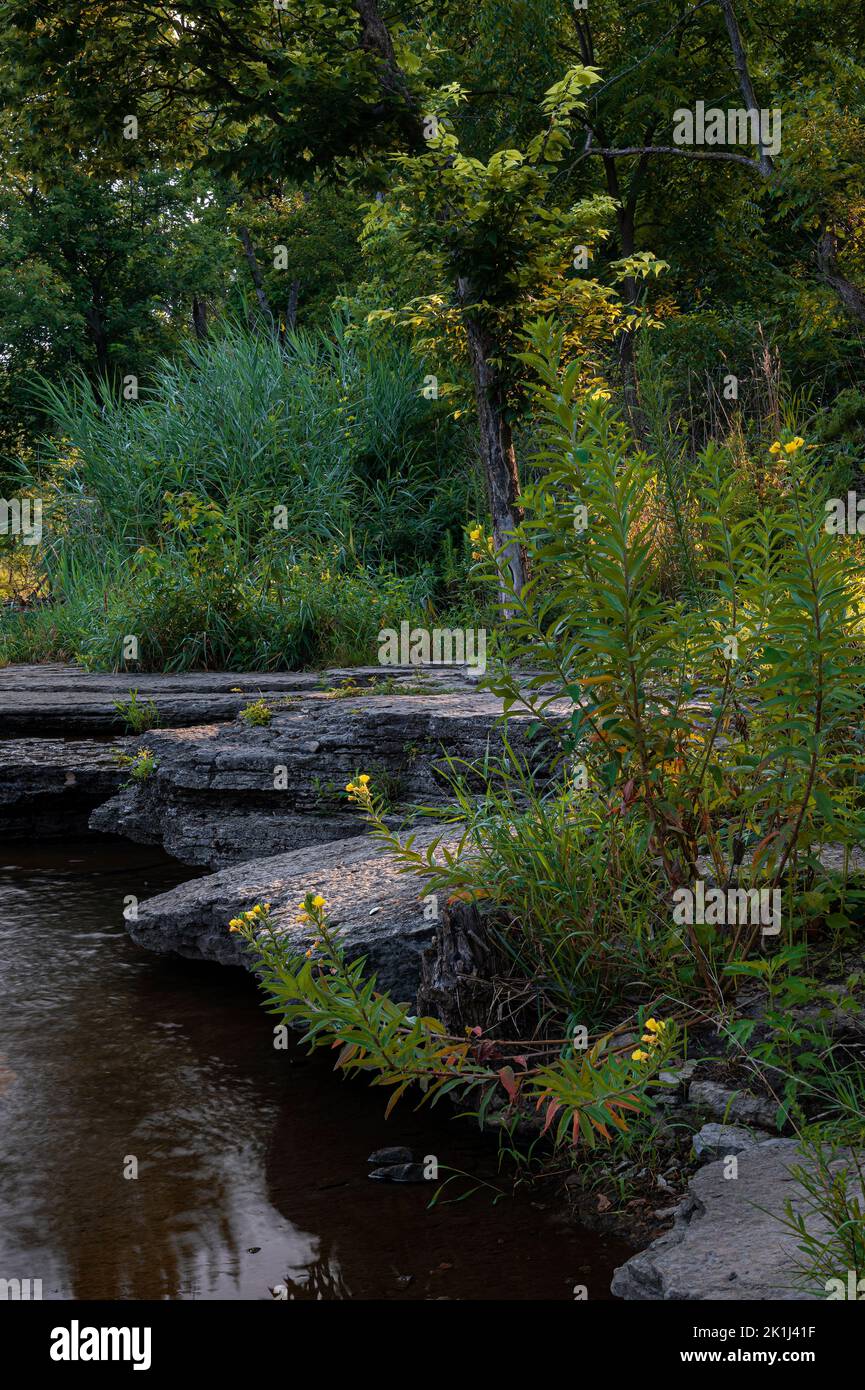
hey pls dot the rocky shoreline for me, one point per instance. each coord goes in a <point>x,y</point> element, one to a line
<point>263,809</point>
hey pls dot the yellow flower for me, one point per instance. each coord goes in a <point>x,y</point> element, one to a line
<point>235,924</point>
<point>350,787</point>
<point>318,900</point>
<point>475,533</point>
<point>775,448</point>
<point>363,779</point>
<point>654,1026</point>
<point>639,1056</point>
<point>793,445</point>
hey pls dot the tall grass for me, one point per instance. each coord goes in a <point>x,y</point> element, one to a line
<point>257,504</point>
<point>336,433</point>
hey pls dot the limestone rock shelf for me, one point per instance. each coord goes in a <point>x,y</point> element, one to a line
<point>225,793</point>
<point>50,787</point>
<point>381,913</point>
<point>58,701</point>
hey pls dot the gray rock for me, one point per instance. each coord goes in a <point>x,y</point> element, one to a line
<point>678,1076</point>
<point>396,1154</point>
<point>735,1107</point>
<point>60,700</point>
<point>192,920</point>
<point>727,1243</point>
<point>216,798</point>
<point>50,786</point>
<point>716,1141</point>
<point>664,1213</point>
<point>399,1172</point>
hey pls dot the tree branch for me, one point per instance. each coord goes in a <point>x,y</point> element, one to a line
<point>746,85</point>
<point>680,150</point>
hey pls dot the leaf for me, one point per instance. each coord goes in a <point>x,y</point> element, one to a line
<point>509,1081</point>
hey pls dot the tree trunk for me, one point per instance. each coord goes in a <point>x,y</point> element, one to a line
<point>97,332</point>
<point>375,40</point>
<point>291,310</point>
<point>746,86</point>
<point>497,452</point>
<point>258,283</point>
<point>850,295</point>
<point>199,318</point>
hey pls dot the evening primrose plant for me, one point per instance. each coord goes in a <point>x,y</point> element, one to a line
<point>581,1093</point>
<point>719,742</point>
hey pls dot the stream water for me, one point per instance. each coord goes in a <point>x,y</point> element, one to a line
<point>251,1163</point>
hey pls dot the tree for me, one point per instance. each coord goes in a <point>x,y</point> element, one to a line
<point>504,252</point>
<point>98,274</point>
<point>281,92</point>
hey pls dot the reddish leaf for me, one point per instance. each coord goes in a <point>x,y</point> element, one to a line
<point>509,1081</point>
<point>552,1111</point>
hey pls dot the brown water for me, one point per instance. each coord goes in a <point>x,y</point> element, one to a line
<point>251,1162</point>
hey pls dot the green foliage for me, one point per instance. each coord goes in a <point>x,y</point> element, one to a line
<point>717,743</point>
<point>87,270</point>
<point>306,241</point>
<point>137,715</point>
<point>498,246</point>
<point>574,907</point>
<point>581,1096</point>
<point>257,714</point>
<point>721,730</point>
<point>256,508</point>
<point>140,765</point>
<point>832,1246</point>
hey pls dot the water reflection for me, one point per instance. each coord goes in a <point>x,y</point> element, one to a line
<point>251,1162</point>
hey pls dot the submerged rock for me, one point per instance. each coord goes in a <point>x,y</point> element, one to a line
<point>399,1172</point>
<point>396,1154</point>
<point>727,1242</point>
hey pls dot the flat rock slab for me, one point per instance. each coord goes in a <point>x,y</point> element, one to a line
<point>732,1107</point>
<point>56,700</point>
<point>719,1141</point>
<point>380,912</point>
<point>225,793</point>
<point>50,786</point>
<point>727,1243</point>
